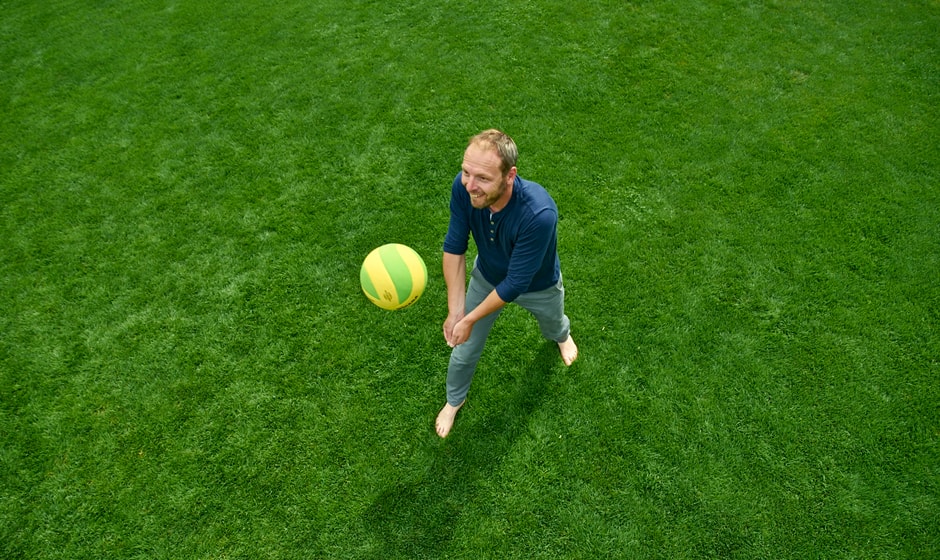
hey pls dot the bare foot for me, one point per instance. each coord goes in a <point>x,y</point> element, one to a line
<point>445,419</point>
<point>569,350</point>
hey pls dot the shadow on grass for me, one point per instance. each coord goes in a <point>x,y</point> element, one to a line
<point>417,518</point>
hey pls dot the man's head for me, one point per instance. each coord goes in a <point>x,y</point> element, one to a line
<point>502,143</point>
<point>489,169</point>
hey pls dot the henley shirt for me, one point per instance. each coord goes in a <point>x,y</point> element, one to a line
<point>517,247</point>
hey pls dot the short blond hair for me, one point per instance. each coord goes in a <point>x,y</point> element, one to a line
<point>504,145</point>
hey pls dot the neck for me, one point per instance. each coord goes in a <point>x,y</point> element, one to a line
<point>503,200</point>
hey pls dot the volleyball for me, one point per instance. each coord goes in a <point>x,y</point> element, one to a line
<point>393,276</point>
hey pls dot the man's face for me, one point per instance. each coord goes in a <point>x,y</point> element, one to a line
<point>483,178</point>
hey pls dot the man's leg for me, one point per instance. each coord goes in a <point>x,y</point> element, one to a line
<point>548,307</point>
<point>464,357</point>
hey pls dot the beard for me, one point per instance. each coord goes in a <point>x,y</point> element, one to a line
<point>488,198</point>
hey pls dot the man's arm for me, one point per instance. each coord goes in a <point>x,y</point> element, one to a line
<point>461,330</point>
<point>455,276</point>
<point>458,325</point>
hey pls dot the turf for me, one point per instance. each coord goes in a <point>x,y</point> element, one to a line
<point>749,234</point>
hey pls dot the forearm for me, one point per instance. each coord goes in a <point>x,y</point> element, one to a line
<point>491,304</point>
<point>458,332</point>
<point>455,277</point>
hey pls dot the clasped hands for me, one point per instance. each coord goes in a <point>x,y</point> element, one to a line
<point>457,329</point>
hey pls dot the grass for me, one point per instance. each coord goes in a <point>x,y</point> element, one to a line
<point>749,236</point>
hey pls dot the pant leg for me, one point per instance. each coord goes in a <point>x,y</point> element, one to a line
<point>548,307</point>
<point>464,357</point>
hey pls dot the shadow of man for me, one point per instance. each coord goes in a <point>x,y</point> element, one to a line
<point>417,518</point>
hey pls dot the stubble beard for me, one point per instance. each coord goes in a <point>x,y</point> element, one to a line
<point>487,200</point>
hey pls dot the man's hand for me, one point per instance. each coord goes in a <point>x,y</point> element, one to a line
<point>461,332</point>
<point>449,324</point>
<point>458,326</point>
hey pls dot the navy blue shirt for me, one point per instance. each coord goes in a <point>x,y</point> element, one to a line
<point>517,246</point>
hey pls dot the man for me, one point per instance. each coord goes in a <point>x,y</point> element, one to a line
<point>514,224</point>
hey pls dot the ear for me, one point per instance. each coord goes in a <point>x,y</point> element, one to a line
<point>511,175</point>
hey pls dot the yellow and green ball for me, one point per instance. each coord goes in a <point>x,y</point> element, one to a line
<point>393,276</point>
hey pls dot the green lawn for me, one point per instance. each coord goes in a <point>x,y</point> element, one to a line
<point>750,240</point>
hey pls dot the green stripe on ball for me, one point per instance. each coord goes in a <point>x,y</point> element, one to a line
<point>398,271</point>
<point>366,281</point>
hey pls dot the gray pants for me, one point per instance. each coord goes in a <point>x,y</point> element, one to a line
<point>548,307</point>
